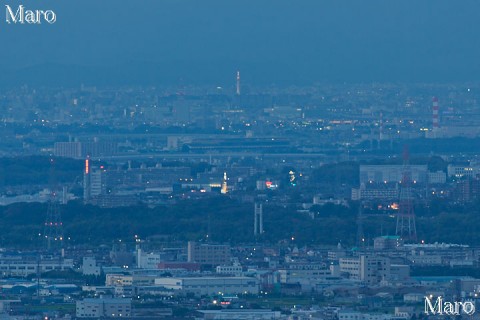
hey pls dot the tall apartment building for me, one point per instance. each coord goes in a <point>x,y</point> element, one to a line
<point>78,149</point>
<point>93,183</point>
<point>68,149</point>
<point>370,269</point>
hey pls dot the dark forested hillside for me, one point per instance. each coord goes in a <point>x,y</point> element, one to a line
<point>227,220</point>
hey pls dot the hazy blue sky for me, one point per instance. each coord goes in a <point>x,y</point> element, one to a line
<point>270,41</point>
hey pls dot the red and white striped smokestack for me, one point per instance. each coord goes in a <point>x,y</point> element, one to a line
<point>435,113</point>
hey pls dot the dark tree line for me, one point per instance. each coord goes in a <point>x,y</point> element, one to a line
<point>226,220</point>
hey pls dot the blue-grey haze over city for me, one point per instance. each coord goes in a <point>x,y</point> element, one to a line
<point>284,42</point>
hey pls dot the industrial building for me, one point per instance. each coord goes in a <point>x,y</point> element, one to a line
<point>22,266</point>
<point>211,285</point>
<point>391,173</point>
<point>104,308</point>
<point>208,254</point>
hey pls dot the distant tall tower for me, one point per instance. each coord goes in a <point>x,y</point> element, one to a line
<point>435,121</point>
<point>224,189</point>
<point>406,227</point>
<point>238,83</point>
<point>258,219</point>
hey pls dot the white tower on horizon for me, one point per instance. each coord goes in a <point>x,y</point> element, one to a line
<point>238,83</point>
<point>224,189</point>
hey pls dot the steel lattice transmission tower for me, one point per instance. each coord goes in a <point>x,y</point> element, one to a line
<point>53,228</point>
<point>406,228</point>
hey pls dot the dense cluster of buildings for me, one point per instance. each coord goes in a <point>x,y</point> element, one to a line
<point>217,281</point>
<point>287,147</point>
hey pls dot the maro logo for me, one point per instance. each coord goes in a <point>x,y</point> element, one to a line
<point>21,15</point>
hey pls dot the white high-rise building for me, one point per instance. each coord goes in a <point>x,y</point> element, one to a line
<point>370,269</point>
